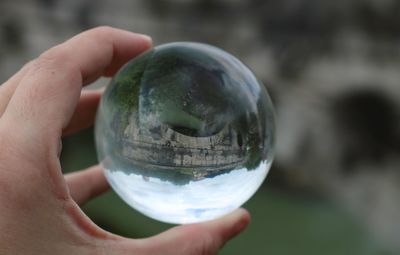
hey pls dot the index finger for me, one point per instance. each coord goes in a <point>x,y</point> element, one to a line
<point>47,95</point>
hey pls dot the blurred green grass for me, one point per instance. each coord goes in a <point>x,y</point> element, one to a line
<point>281,222</point>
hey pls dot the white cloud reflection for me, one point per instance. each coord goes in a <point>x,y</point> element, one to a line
<point>194,202</point>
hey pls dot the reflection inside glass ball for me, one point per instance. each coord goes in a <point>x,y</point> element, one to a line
<point>185,133</point>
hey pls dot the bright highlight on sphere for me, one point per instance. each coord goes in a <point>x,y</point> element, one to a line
<point>185,133</point>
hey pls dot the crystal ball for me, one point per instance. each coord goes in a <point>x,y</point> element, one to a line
<point>185,133</point>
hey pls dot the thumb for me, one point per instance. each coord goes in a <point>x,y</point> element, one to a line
<point>198,239</point>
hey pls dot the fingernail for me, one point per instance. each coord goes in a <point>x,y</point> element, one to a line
<point>243,220</point>
<point>146,37</point>
<point>239,220</point>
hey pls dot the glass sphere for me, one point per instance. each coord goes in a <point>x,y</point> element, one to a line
<point>185,133</point>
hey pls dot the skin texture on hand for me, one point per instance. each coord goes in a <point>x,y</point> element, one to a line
<point>39,207</point>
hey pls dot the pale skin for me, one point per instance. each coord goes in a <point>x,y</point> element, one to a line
<point>39,206</point>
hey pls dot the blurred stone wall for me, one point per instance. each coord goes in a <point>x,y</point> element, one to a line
<point>331,67</point>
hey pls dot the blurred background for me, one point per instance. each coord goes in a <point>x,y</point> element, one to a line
<point>332,70</point>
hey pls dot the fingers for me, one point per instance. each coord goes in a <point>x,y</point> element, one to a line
<point>48,93</point>
<point>202,238</point>
<point>85,111</point>
<point>86,184</point>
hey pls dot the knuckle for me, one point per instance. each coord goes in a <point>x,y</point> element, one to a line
<point>55,61</point>
<point>27,66</point>
<point>102,31</point>
<point>51,58</point>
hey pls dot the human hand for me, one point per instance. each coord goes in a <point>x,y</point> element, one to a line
<point>39,212</point>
